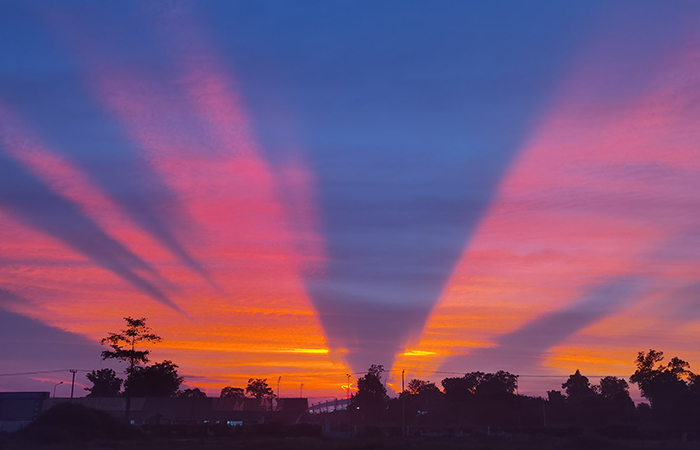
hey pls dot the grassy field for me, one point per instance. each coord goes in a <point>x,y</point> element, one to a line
<point>494,443</point>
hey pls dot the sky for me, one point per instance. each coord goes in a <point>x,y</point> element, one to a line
<point>302,189</point>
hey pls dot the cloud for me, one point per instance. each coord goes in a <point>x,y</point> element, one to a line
<point>408,156</point>
<point>523,350</point>
<point>66,117</point>
<point>32,202</point>
<point>29,345</point>
<point>8,299</point>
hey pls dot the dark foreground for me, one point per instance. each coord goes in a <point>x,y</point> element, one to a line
<point>72,426</point>
<point>583,442</point>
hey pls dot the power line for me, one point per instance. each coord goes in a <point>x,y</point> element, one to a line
<point>41,372</point>
<point>521,376</point>
<point>328,373</point>
<point>559,376</point>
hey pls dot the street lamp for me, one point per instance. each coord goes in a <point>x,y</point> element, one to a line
<point>54,388</point>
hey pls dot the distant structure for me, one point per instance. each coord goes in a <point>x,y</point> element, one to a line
<point>329,406</point>
<point>18,409</point>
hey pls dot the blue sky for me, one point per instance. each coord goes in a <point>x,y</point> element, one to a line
<point>386,134</point>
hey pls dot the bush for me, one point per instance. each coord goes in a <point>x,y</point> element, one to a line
<point>75,422</point>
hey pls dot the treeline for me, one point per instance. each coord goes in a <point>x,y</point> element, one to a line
<point>152,380</point>
<point>475,399</point>
<point>480,399</point>
<point>162,380</point>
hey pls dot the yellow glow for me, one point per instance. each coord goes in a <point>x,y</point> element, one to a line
<point>305,350</point>
<point>418,353</point>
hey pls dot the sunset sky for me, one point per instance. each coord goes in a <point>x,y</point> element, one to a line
<point>302,189</point>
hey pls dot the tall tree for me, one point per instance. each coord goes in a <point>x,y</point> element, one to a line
<point>124,343</point>
<point>105,383</point>
<point>371,394</point>
<point>616,400</point>
<point>657,381</point>
<point>123,348</point>
<point>665,385</point>
<point>578,388</point>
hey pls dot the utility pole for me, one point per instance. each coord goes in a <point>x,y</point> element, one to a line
<point>301,390</point>
<point>72,385</point>
<point>544,414</point>
<point>517,396</point>
<point>278,386</point>
<point>347,386</point>
<point>403,404</point>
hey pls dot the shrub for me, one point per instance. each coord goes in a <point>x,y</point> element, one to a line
<point>75,422</point>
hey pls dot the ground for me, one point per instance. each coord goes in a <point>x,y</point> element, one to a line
<point>493,443</point>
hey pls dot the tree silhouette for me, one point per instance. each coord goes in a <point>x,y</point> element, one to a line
<point>123,346</point>
<point>422,396</point>
<point>479,385</point>
<point>614,388</point>
<point>460,390</point>
<point>191,393</point>
<point>646,369</point>
<point>158,380</point>
<point>258,388</point>
<point>582,402</point>
<point>416,387</point>
<point>555,397</point>
<point>657,380</point>
<point>578,388</point>
<point>105,383</point>
<point>124,343</point>
<point>616,400</point>
<point>499,384</point>
<point>232,392</point>
<point>665,386</point>
<point>371,394</point>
